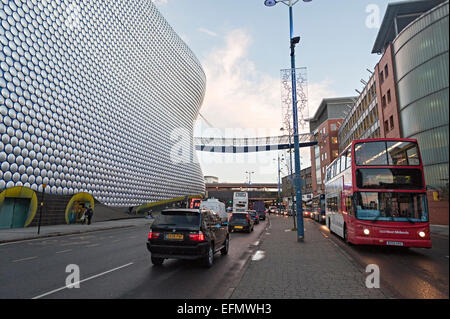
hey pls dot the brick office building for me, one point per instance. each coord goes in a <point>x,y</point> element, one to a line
<point>325,125</point>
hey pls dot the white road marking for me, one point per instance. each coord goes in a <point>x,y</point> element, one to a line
<point>23,259</point>
<point>258,255</point>
<point>63,251</point>
<point>76,243</point>
<point>79,282</point>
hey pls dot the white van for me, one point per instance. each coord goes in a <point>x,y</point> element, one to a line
<point>216,206</point>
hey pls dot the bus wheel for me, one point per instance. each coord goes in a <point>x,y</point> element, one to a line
<point>328,224</point>
<point>346,236</point>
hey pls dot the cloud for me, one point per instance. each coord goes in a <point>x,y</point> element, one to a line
<point>238,95</point>
<point>209,32</point>
<point>318,91</point>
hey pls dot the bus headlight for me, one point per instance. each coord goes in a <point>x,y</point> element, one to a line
<point>366,232</point>
<point>422,234</point>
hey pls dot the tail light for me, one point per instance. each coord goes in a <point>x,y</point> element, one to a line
<point>248,218</point>
<point>152,235</point>
<point>197,236</point>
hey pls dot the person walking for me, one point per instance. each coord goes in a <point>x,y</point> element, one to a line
<point>89,214</point>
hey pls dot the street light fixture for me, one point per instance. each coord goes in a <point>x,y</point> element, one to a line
<point>297,178</point>
<point>249,178</point>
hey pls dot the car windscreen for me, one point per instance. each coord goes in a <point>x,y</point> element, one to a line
<point>239,217</point>
<point>178,219</point>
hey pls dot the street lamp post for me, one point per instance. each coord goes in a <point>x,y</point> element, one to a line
<point>249,178</point>
<point>279,184</point>
<point>291,174</point>
<point>297,178</point>
<point>40,209</point>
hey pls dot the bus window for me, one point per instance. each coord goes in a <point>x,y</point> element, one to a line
<point>349,158</point>
<point>403,153</point>
<point>389,178</point>
<point>371,153</point>
<point>343,162</point>
<point>338,166</point>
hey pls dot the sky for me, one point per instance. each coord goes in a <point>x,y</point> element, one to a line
<point>242,45</point>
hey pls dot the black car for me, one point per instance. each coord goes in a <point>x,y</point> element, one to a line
<point>241,222</point>
<point>254,214</point>
<point>187,234</point>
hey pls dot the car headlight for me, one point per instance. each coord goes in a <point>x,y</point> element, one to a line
<point>366,232</point>
<point>422,234</point>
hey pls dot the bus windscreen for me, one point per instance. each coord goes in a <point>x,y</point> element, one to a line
<point>387,206</point>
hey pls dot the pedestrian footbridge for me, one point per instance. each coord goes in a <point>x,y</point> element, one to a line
<point>251,144</point>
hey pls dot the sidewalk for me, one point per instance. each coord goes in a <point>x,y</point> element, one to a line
<point>313,269</point>
<point>17,234</point>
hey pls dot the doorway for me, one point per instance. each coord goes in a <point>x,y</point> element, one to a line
<point>14,212</point>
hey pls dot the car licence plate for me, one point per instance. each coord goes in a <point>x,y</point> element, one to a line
<point>238,227</point>
<point>394,243</point>
<point>174,236</point>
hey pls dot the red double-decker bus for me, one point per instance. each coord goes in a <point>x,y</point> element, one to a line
<point>375,194</point>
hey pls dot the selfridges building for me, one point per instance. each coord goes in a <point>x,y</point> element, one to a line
<point>97,97</point>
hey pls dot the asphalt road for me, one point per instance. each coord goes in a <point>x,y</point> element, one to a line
<point>406,273</point>
<point>116,264</point>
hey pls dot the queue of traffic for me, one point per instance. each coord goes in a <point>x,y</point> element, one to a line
<point>200,231</point>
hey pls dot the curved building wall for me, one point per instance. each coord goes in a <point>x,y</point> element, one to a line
<point>422,75</point>
<point>98,97</point>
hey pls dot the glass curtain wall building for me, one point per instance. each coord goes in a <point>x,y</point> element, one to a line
<point>98,97</point>
<point>422,76</point>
